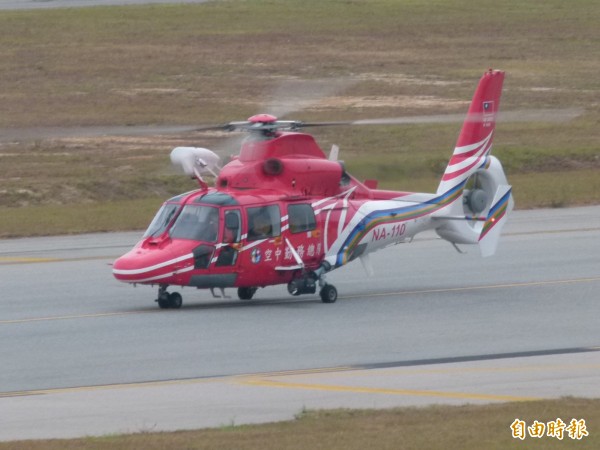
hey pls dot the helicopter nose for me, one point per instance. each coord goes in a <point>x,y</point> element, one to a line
<point>142,265</point>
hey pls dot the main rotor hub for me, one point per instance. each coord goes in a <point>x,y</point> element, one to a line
<point>262,124</point>
<point>262,118</point>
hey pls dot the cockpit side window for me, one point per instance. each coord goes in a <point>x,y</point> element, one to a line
<point>198,223</point>
<point>263,222</point>
<point>161,221</point>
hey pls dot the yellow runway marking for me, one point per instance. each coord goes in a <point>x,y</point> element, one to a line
<point>387,391</point>
<point>253,381</point>
<point>352,372</point>
<point>13,260</point>
<point>143,384</point>
<point>6,260</point>
<point>268,380</point>
<point>181,382</point>
<point>80,316</point>
<point>299,372</point>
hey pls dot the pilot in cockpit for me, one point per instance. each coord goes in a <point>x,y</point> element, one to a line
<point>260,226</point>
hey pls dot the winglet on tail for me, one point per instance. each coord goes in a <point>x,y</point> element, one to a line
<point>496,218</point>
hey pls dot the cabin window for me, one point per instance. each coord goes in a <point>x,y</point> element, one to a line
<point>232,230</point>
<point>162,220</point>
<point>263,222</point>
<point>198,223</point>
<point>301,218</point>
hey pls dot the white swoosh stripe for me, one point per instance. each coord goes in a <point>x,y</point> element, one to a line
<point>164,275</point>
<point>151,268</point>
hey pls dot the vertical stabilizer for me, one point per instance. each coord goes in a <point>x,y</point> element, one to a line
<point>475,140</point>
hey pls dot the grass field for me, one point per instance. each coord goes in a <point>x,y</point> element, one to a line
<point>225,60</point>
<point>436,427</point>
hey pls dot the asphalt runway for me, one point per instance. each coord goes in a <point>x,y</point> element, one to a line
<point>83,354</point>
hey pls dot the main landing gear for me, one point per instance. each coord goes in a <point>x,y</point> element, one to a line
<point>308,284</point>
<point>168,300</point>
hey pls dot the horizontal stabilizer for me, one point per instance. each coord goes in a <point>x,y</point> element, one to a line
<point>468,218</point>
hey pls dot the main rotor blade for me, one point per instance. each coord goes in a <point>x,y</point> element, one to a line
<point>541,115</point>
<point>222,127</point>
<point>532,115</point>
<point>410,120</point>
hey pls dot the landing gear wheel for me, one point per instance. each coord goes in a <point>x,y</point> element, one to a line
<point>246,293</point>
<point>163,296</point>
<point>328,294</point>
<point>163,303</point>
<point>175,300</point>
<point>169,301</point>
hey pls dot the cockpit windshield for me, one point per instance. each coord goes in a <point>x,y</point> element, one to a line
<point>162,220</point>
<point>197,222</point>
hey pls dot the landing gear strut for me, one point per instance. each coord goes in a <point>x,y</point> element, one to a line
<point>168,301</point>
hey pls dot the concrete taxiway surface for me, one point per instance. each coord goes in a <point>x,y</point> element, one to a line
<point>84,355</point>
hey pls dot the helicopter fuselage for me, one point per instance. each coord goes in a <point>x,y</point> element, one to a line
<point>282,212</point>
<point>309,208</point>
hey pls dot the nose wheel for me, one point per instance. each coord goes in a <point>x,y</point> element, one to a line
<point>168,300</point>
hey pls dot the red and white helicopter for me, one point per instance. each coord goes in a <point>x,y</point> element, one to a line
<point>282,212</point>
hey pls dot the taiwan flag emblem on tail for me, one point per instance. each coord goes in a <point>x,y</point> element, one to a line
<point>488,107</point>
